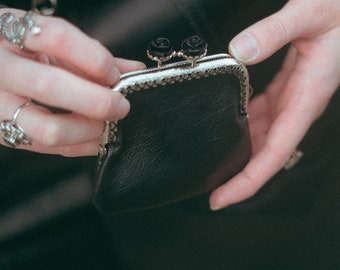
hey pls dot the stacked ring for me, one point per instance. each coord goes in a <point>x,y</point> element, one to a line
<point>14,30</point>
<point>12,133</point>
<point>293,159</point>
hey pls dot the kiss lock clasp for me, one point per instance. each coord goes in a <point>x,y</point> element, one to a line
<point>192,48</point>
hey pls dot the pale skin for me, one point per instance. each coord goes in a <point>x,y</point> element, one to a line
<point>297,96</point>
<point>63,68</point>
<point>74,79</point>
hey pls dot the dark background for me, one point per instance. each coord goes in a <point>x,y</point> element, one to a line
<point>47,219</point>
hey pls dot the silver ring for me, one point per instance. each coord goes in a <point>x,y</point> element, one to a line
<point>14,30</point>
<point>12,133</point>
<point>294,158</point>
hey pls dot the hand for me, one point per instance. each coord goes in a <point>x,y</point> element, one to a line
<point>61,68</point>
<point>297,96</point>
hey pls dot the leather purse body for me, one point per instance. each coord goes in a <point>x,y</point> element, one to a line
<point>186,134</point>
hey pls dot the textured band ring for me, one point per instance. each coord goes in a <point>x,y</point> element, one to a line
<point>293,159</point>
<point>12,133</point>
<point>14,30</point>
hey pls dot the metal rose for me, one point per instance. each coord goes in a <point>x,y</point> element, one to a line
<point>160,47</point>
<point>194,47</point>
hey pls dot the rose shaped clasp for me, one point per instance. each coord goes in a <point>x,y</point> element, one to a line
<point>192,48</point>
<point>160,50</point>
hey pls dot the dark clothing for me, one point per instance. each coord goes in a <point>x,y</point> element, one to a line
<point>48,222</point>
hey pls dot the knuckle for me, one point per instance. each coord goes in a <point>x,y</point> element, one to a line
<point>279,29</point>
<point>104,61</point>
<point>41,84</point>
<point>50,134</point>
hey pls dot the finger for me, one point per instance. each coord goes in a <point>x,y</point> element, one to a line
<point>49,129</point>
<point>267,36</point>
<point>262,166</point>
<point>262,108</point>
<point>75,49</point>
<point>58,88</point>
<point>264,104</point>
<point>66,42</point>
<point>29,121</point>
<point>125,65</point>
<point>79,150</point>
<point>303,99</point>
<point>280,79</point>
<point>11,102</point>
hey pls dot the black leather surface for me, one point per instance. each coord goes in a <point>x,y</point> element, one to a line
<point>178,141</point>
<point>292,223</point>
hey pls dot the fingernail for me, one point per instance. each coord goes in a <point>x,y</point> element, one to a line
<point>244,47</point>
<point>139,65</point>
<point>123,108</point>
<point>216,204</point>
<point>215,207</point>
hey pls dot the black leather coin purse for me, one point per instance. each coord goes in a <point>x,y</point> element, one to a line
<point>186,133</point>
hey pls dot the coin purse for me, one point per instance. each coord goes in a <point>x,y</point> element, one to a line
<point>186,132</point>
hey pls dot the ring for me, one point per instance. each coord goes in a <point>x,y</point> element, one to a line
<point>14,30</point>
<point>12,133</point>
<point>293,159</point>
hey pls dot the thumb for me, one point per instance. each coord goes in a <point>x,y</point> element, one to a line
<point>267,36</point>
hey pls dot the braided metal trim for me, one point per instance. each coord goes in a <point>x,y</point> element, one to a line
<point>237,69</point>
